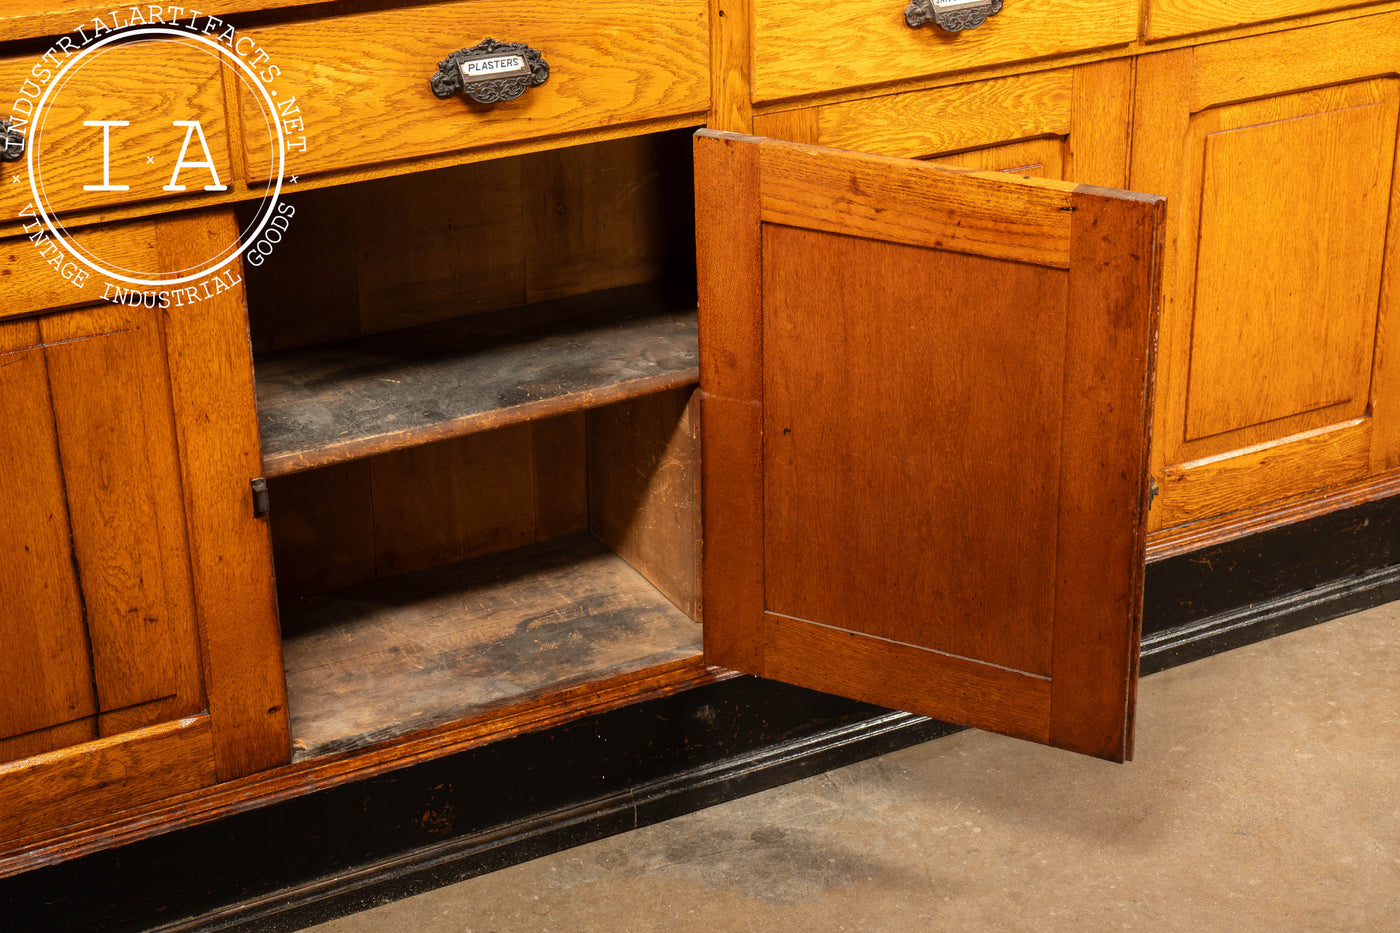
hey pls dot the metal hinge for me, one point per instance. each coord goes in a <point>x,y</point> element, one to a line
<point>1152,491</point>
<point>260,503</point>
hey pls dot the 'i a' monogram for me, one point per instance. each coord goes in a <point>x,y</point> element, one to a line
<point>192,129</point>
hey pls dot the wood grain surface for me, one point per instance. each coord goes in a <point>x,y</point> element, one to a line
<point>31,284</point>
<point>918,400</point>
<point>356,77</point>
<point>889,431</point>
<point>919,124</point>
<point>148,84</point>
<point>919,205</point>
<point>423,506</point>
<point>1165,19</point>
<point>643,481</point>
<point>120,466</point>
<point>45,671</point>
<point>866,42</point>
<point>333,403</point>
<point>374,662</point>
<point>729,256</point>
<point>106,775</point>
<point>1276,326</point>
<point>211,377</point>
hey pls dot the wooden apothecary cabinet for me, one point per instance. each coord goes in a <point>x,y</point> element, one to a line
<point>915,471</point>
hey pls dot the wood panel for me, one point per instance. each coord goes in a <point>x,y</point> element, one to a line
<point>1299,463</point>
<point>632,63</point>
<point>607,215</point>
<point>456,499</point>
<point>32,282</point>
<point>289,307</point>
<point>949,448</point>
<point>890,435</point>
<point>28,19</point>
<point>105,776</point>
<point>340,401</point>
<point>644,489</point>
<point>211,375</point>
<point>149,85</point>
<point>357,521</point>
<point>1033,158</point>
<point>1293,60</point>
<point>322,524</point>
<point>1275,297</point>
<point>919,124</point>
<point>1168,18</point>
<point>442,245</point>
<point>45,671</point>
<point>433,246</point>
<point>561,474</point>
<point>382,660</point>
<point>729,257</point>
<point>1292,311</point>
<point>120,467</point>
<point>794,50</point>
<point>920,205</point>
<point>1069,123</point>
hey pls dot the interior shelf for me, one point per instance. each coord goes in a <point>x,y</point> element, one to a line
<point>378,660</point>
<point>335,402</point>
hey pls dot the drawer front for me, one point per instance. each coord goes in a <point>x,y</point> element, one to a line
<point>362,82</point>
<point>1167,19</point>
<point>34,276</point>
<point>147,85</point>
<point>853,43</point>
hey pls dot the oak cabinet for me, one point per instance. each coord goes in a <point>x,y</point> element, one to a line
<point>900,452</point>
<point>1275,374</point>
<point>139,629</point>
<point>491,481</point>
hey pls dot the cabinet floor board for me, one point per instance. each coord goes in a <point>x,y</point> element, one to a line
<point>341,401</point>
<point>379,660</point>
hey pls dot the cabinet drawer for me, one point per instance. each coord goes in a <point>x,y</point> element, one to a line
<point>146,86</point>
<point>852,43</point>
<point>362,82</point>
<point>1166,19</point>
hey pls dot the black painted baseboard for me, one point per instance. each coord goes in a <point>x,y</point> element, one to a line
<point>289,865</point>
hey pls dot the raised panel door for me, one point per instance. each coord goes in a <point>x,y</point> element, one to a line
<point>1273,379</point>
<point>138,638</point>
<point>923,411</point>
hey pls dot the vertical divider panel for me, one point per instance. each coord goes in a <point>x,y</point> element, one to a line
<point>211,374</point>
<point>729,255</point>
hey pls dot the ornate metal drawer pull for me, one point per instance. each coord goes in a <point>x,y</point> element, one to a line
<point>490,72</point>
<point>11,142</point>
<point>951,15</point>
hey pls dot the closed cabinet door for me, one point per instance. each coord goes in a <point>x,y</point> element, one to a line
<point>1277,157</point>
<point>1069,124</point>
<point>134,614</point>
<point>924,409</point>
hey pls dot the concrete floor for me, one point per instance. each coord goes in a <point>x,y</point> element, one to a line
<point>1265,796</point>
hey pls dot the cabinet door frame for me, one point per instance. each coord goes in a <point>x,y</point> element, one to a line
<point>1107,242</point>
<point>228,718</point>
<point>1172,88</point>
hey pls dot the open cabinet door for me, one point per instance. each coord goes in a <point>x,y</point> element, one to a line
<point>924,422</point>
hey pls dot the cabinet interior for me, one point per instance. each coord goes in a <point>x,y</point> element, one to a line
<point>474,391</point>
